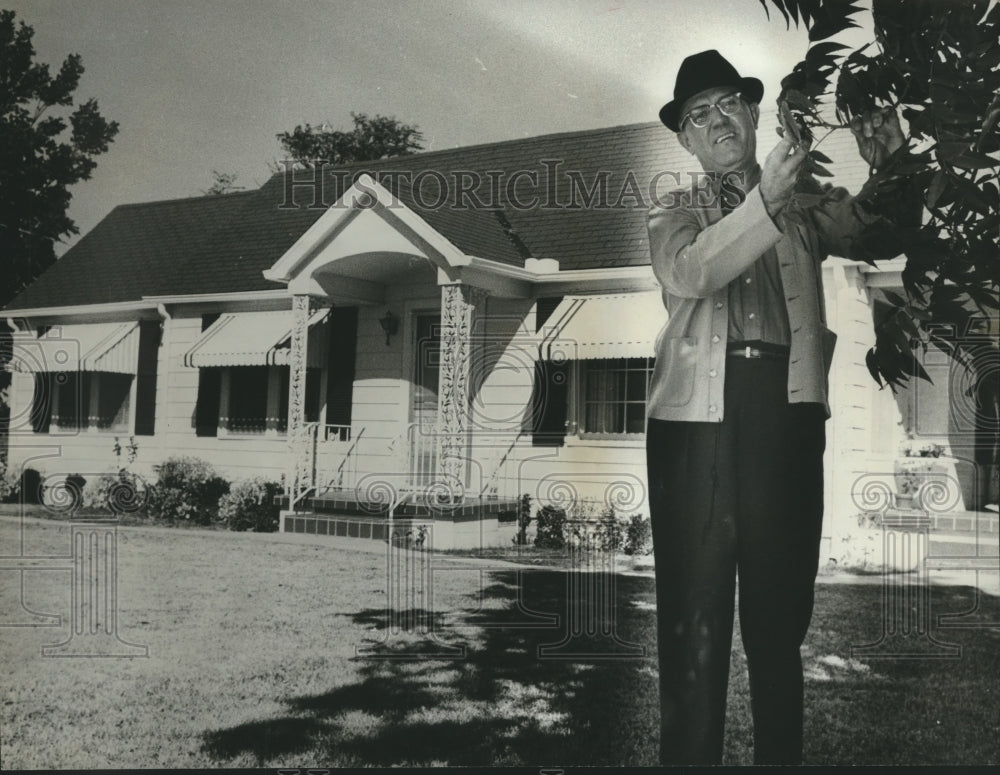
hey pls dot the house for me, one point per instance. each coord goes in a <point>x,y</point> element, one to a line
<point>423,338</point>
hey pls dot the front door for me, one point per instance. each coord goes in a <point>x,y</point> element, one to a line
<point>423,440</point>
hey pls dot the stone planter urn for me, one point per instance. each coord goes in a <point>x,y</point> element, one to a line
<point>925,480</point>
<point>910,474</point>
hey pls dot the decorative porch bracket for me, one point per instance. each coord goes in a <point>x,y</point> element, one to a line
<point>460,306</point>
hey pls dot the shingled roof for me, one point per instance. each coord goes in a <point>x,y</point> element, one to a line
<point>223,243</point>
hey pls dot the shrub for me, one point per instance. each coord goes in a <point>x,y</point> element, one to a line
<point>30,486</point>
<point>249,505</point>
<point>10,483</point>
<point>62,497</point>
<point>609,534</point>
<point>120,492</point>
<point>523,517</point>
<point>550,528</point>
<point>187,489</point>
<point>638,535</point>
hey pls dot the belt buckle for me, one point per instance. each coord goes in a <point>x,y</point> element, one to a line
<point>749,352</point>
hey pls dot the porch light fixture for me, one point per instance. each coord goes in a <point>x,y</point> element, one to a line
<point>390,325</point>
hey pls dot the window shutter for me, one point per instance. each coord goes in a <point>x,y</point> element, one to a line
<point>150,332</point>
<point>549,404</point>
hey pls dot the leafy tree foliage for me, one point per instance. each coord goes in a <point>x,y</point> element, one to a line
<point>374,137</point>
<point>39,161</point>
<point>936,61</point>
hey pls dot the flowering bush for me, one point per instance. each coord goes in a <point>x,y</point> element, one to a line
<point>550,524</point>
<point>116,492</point>
<point>249,505</point>
<point>187,489</point>
<point>10,482</point>
<point>638,536</point>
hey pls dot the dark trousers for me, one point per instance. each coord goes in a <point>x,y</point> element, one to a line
<point>741,496</point>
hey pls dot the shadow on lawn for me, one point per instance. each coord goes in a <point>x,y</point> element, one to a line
<point>504,702</point>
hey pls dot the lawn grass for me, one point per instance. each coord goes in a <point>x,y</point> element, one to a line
<point>253,661</point>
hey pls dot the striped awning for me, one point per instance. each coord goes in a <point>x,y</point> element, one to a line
<point>623,325</point>
<point>111,347</point>
<point>255,339</point>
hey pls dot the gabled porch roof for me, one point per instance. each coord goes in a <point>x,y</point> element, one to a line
<point>371,237</point>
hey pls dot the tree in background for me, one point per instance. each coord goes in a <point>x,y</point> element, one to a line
<point>39,161</point>
<point>375,137</point>
<point>222,183</point>
<point>937,62</point>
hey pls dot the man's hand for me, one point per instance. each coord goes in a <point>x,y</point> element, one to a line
<point>878,134</point>
<point>781,169</point>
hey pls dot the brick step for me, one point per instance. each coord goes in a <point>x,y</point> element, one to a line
<point>348,504</point>
<point>351,526</point>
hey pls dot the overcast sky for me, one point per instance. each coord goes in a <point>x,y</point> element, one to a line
<point>207,84</point>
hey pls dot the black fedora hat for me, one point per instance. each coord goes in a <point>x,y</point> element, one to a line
<point>699,72</point>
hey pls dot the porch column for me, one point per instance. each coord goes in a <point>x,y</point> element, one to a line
<point>298,440</point>
<point>459,304</point>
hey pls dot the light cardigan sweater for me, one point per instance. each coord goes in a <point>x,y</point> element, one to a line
<point>696,254</point>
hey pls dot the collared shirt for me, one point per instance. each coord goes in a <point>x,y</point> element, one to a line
<point>757,304</point>
<point>756,298</point>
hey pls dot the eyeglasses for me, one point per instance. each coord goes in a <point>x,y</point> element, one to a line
<point>729,105</point>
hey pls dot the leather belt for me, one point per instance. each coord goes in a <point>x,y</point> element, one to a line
<point>758,350</point>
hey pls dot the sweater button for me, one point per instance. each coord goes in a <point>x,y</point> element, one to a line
<point>712,409</point>
<point>718,305</point>
<point>715,338</point>
<point>713,373</point>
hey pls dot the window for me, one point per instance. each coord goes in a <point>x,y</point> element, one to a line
<point>95,399</point>
<point>613,395</point>
<point>72,400</point>
<point>256,399</point>
<point>248,389</point>
<point>114,401</point>
<point>608,398</point>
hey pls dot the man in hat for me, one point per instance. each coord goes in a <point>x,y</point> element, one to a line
<point>736,412</point>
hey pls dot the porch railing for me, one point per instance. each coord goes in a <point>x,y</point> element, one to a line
<point>423,451</point>
<point>501,484</point>
<point>339,453</point>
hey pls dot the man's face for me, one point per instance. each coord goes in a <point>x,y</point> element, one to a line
<point>726,142</point>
